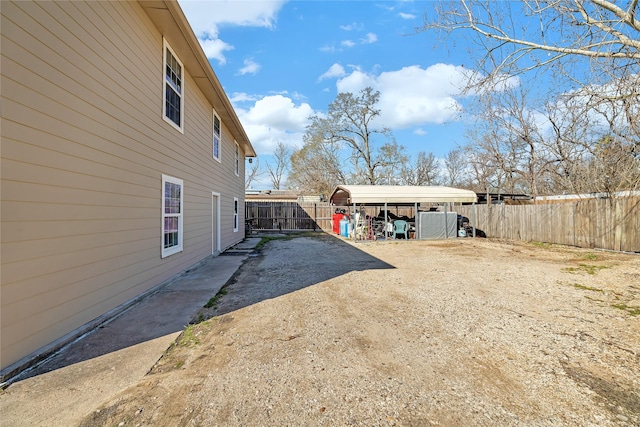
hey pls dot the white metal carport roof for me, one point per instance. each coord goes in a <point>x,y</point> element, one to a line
<point>344,195</point>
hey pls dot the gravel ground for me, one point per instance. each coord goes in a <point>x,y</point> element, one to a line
<point>474,332</point>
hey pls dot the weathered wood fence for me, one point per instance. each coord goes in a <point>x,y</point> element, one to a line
<point>289,215</point>
<point>590,223</point>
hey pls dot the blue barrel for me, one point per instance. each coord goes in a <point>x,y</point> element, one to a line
<point>344,227</point>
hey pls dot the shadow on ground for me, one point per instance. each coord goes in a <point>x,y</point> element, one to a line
<point>277,268</point>
<point>287,264</point>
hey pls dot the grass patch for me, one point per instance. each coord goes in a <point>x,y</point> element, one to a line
<point>189,337</point>
<point>586,268</point>
<point>594,299</point>
<point>590,257</point>
<point>586,288</point>
<point>266,239</point>
<point>633,311</point>
<point>543,245</point>
<point>213,301</point>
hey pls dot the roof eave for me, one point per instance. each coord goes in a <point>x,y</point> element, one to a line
<point>168,17</point>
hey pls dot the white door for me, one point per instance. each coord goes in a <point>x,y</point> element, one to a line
<point>215,223</point>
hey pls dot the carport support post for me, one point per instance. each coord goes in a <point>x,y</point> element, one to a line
<point>446,226</point>
<point>386,221</point>
<point>474,215</point>
<point>415,220</point>
<point>355,221</point>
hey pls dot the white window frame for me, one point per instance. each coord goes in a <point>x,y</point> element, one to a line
<point>237,159</point>
<point>236,208</point>
<point>216,145</point>
<point>165,81</point>
<point>178,246</point>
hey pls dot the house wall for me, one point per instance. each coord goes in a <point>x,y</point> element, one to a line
<point>84,147</point>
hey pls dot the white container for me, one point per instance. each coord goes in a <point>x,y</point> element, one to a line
<point>462,233</point>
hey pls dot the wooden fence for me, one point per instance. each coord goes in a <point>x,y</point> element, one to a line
<point>289,215</point>
<point>590,223</point>
<point>303,215</point>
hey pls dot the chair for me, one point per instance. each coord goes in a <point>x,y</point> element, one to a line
<point>400,227</point>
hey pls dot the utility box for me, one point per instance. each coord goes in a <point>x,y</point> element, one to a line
<point>438,225</point>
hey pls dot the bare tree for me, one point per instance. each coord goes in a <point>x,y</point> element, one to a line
<point>392,159</point>
<point>484,175</point>
<point>456,165</point>
<point>349,123</point>
<point>252,173</point>
<point>614,166</point>
<point>511,135</point>
<point>512,35</point>
<point>423,170</point>
<point>282,156</point>
<point>316,168</point>
<point>590,49</point>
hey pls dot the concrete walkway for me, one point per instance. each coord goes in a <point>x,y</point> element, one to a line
<point>82,375</point>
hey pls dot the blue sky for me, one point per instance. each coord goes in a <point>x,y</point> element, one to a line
<point>281,62</point>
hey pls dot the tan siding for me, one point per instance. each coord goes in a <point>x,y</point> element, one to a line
<point>84,147</point>
<point>234,187</point>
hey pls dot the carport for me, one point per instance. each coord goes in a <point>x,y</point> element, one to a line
<point>400,195</point>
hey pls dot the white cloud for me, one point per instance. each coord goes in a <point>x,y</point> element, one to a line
<point>239,97</point>
<point>327,48</point>
<point>279,111</point>
<point>420,132</point>
<point>272,119</point>
<point>356,81</point>
<point>250,67</point>
<point>214,49</point>
<point>412,96</point>
<point>205,17</point>
<point>352,27</point>
<point>406,15</point>
<point>369,38</point>
<point>336,70</point>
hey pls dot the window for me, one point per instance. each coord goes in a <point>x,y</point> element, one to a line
<point>172,210</point>
<point>173,111</point>
<point>235,214</point>
<point>217,136</point>
<point>237,159</point>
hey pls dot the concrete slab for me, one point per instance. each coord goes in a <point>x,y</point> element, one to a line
<point>248,243</point>
<point>116,355</point>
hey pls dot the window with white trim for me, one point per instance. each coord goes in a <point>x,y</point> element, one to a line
<point>235,214</point>
<point>173,89</point>
<point>172,211</point>
<point>217,136</point>
<point>237,159</point>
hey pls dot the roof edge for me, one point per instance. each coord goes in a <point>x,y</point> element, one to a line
<point>180,22</point>
<point>363,194</point>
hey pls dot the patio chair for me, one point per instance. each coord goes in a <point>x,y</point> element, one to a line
<point>400,227</point>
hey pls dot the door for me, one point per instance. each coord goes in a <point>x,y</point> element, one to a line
<point>215,223</point>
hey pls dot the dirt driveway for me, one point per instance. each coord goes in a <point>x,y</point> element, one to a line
<point>319,331</point>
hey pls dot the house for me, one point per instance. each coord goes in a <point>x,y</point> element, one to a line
<point>122,163</point>
<point>271,196</point>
